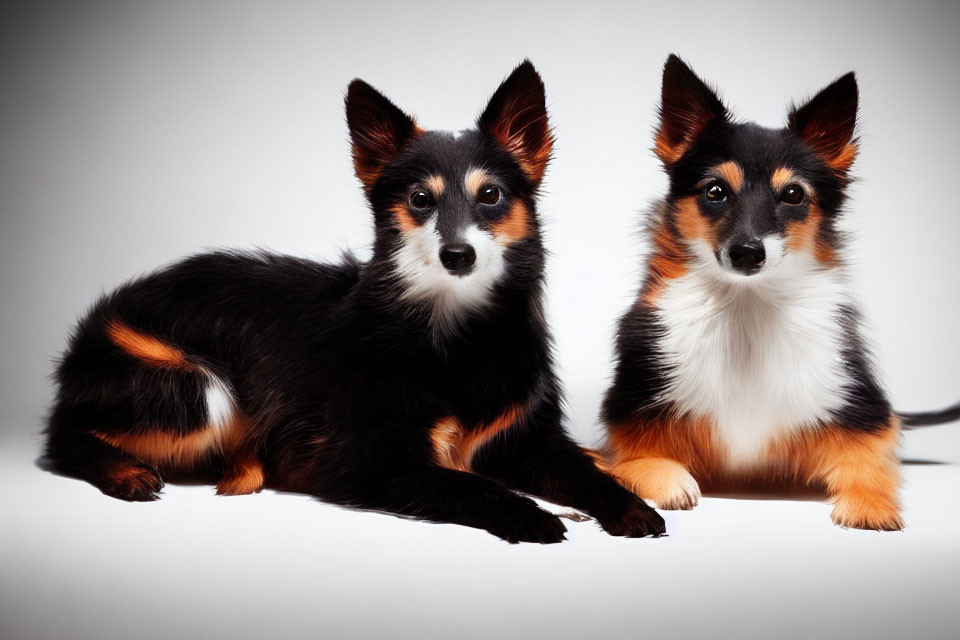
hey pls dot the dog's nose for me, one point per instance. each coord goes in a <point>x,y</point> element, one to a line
<point>458,258</point>
<point>747,257</point>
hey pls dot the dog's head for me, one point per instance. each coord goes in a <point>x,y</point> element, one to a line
<point>744,199</point>
<point>455,214</point>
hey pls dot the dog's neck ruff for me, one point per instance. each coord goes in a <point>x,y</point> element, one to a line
<point>758,357</point>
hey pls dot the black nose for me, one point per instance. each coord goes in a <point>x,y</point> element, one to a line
<point>747,257</point>
<point>458,258</point>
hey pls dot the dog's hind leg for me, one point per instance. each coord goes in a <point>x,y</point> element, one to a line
<point>129,404</point>
<point>80,454</point>
<point>860,471</point>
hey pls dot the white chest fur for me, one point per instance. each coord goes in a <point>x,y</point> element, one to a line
<point>758,356</point>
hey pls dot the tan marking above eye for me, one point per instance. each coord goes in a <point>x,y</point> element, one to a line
<point>435,184</point>
<point>475,179</point>
<point>731,173</point>
<point>780,178</point>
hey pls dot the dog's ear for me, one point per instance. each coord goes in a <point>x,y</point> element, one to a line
<point>687,107</point>
<point>379,130</point>
<point>827,122</point>
<point>516,117</point>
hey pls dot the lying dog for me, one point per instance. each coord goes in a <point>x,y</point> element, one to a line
<point>419,383</point>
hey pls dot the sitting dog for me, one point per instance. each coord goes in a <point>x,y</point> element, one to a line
<point>419,383</point>
<point>741,360</point>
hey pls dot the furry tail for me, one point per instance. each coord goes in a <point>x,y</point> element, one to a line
<point>929,418</point>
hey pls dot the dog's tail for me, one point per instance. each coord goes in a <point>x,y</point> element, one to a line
<point>929,418</point>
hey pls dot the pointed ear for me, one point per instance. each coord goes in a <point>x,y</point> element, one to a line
<point>828,121</point>
<point>516,117</point>
<point>687,107</point>
<point>379,130</point>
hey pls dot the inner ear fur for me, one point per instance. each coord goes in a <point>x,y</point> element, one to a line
<point>516,117</point>
<point>379,131</point>
<point>828,121</point>
<point>687,107</point>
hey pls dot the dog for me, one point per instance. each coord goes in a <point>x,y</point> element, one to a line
<point>741,361</point>
<point>419,383</point>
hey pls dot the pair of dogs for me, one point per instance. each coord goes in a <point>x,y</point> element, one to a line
<point>421,382</point>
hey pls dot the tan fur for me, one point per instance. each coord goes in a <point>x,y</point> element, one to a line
<point>668,259</point>
<point>164,448</point>
<point>367,168</point>
<point>242,478</point>
<point>169,450</point>
<point>780,178</point>
<point>658,479</point>
<point>687,440</point>
<point>401,214</point>
<point>454,445</point>
<point>475,179</point>
<point>533,162</point>
<point>731,173</point>
<point>670,152</point>
<point>804,235</point>
<point>842,162</point>
<point>858,470</point>
<point>512,227</point>
<point>690,222</point>
<point>435,185</point>
<point>147,349</point>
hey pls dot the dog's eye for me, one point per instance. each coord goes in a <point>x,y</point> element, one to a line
<point>420,199</point>
<point>715,192</point>
<point>792,194</point>
<point>489,194</point>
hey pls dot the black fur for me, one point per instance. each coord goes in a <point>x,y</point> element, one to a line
<point>338,377</point>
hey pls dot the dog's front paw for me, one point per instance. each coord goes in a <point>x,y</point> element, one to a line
<point>867,512</point>
<point>637,520</point>
<point>666,482</point>
<point>679,491</point>
<point>530,524</point>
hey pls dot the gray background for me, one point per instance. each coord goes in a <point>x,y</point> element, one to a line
<point>134,133</point>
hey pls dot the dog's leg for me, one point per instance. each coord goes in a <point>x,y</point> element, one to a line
<point>860,472</point>
<point>444,495</point>
<point>79,454</point>
<point>665,481</point>
<point>539,458</point>
<point>243,474</point>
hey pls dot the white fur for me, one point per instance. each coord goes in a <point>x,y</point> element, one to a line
<point>427,281</point>
<point>757,355</point>
<point>221,407</point>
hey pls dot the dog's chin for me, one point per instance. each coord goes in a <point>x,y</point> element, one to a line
<point>450,299</point>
